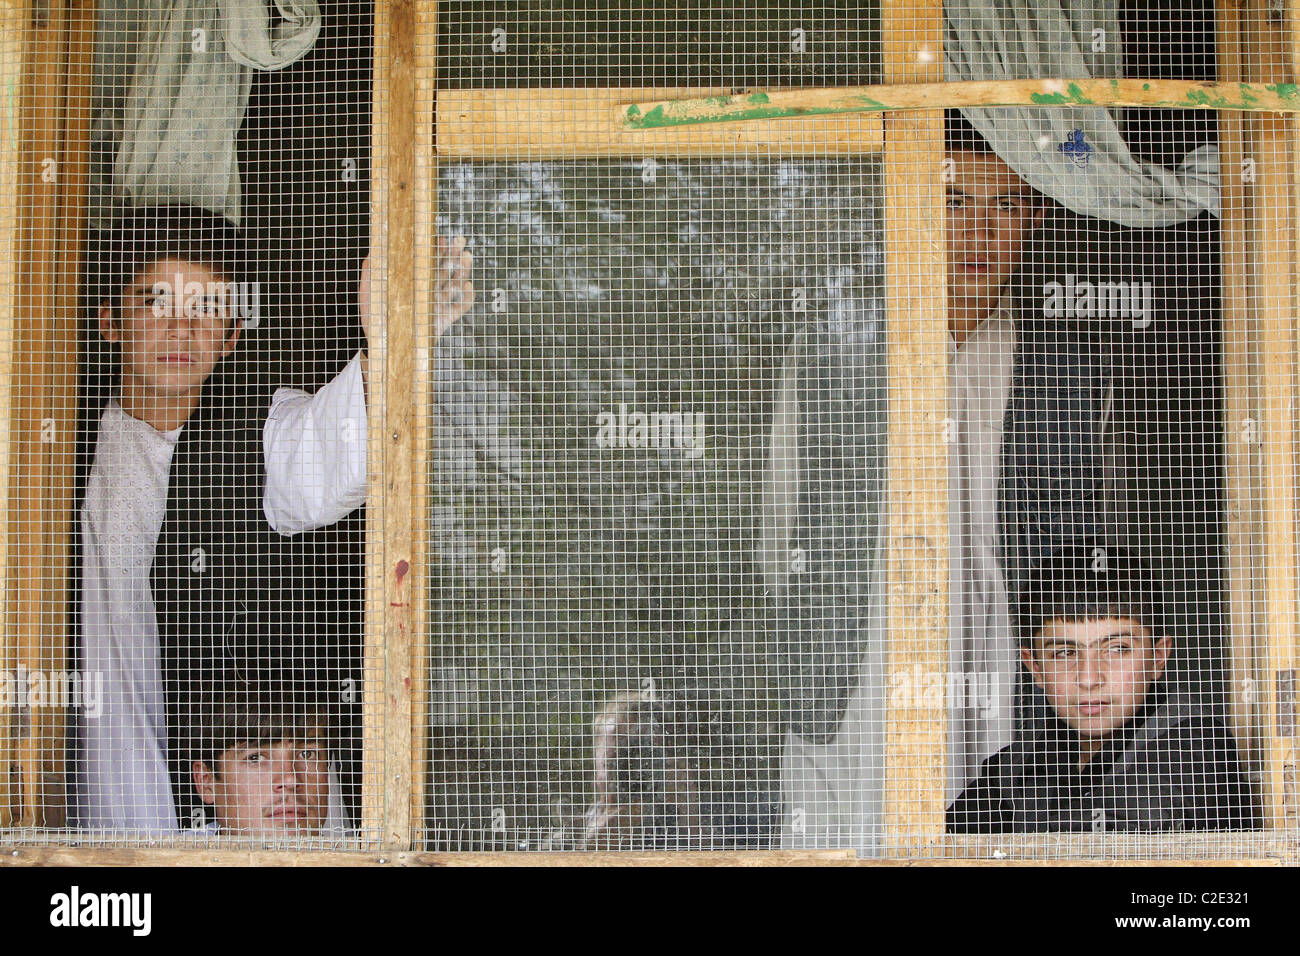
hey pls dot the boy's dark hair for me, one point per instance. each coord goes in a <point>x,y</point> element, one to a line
<point>148,234</point>
<point>253,715</point>
<point>959,133</point>
<point>1087,581</point>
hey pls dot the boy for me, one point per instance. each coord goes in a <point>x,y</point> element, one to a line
<point>833,759</point>
<point>259,757</point>
<point>1119,750</point>
<point>187,477</point>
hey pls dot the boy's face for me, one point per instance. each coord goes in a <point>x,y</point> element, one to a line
<point>281,787</point>
<point>171,341</point>
<point>991,212</point>
<point>1096,674</point>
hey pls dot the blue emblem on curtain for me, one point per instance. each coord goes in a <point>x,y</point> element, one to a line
<point>1076,149</point>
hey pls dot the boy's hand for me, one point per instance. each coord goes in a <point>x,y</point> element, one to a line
<point>453,292</point>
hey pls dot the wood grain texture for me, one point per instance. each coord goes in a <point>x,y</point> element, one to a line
<point>402,562</point>
<point>391,560</point>
<point>13,20</point>
<point>374,690</point>
<point>425,198</point>
<point>54,126</point>
<point>540,123</point>
<point>772,107</point>
<point>1275,272</point>
<point>916,304</point>
<point>1039,851</point>
<point>1272,225</point>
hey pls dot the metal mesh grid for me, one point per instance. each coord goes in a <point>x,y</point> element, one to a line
<point>660,446</point>
<point>639,648</point>
<point>176,462</point>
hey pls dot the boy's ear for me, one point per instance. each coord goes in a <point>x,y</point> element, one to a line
<point>1031,661</point>
<point>1042,211</point>
<point>232,338</point>
<point>1160,653</point>
<point>205,782</point>
<point>109,327</point>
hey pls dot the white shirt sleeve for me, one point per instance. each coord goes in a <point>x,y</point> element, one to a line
<point>315,449</point>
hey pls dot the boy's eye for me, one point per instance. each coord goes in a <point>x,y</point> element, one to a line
<point>309,754</point>
<point>206,308</point>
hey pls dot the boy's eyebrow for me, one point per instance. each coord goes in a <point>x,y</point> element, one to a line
<point>314,741</point>
<point>1075,641</point>
<point>1023,196</point>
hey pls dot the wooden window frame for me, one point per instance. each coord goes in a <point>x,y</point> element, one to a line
<point>47,82</point>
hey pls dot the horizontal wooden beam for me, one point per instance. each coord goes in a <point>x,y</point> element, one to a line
<point>548,123</point>
<point>1124,849</point>
<point>660,115</point>
<point>1028,850</point>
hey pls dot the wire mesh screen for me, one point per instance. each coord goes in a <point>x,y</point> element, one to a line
<point>664,439</point>
<point>606,429</point>
<point>188,424</point>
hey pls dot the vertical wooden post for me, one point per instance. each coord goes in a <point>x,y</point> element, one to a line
<point>54,133</point>
<point>13,28</point>
<point>393,572</point>
<point>1275,268</point>
<point>426,207</point>
<point>915,280</point>
<point>1277,205</point>
<point>1241,479</point>
<point>1260,353</point>
<point>1293,37</point>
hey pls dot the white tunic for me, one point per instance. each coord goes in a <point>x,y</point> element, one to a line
<point>315,452</point>
<point>982,648</point>
<point>832,794</point>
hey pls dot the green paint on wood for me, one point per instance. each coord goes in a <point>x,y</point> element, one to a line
<point>1078,95</point>
<point>759,106</point>
<point>728,109</point>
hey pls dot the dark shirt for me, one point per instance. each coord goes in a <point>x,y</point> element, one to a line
<point>1173,766</point>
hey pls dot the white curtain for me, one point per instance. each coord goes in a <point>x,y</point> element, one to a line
<point>1094,174</point>
<point>173,79</point>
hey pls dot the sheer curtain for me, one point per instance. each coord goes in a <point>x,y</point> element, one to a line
<point>1078,156</point>
<point>172,84</point>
